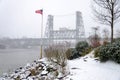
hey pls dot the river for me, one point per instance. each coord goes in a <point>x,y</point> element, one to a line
<point>10,59</point>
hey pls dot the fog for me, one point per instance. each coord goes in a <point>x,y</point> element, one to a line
<point>18,18</point>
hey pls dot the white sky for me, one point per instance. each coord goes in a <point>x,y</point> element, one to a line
<point>18,17</point>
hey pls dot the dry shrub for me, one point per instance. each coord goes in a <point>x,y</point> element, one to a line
<point>69,53</point>
<point>56,53</point>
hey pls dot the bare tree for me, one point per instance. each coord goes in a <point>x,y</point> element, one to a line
<point>95,38</point>
<point>107,12</point>
<point>105,36</point>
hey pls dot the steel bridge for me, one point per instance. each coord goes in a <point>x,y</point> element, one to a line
<point>77,34</point>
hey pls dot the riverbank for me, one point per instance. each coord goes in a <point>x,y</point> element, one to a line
<point>38,70</point>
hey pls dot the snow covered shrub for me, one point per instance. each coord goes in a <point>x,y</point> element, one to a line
<point>75,54</point>
<point>106,52</point>
<point>117,56</point>
<point>72,53</point>
<point>56,55</point>
<point>103,54</point>
<point>110,52</point>
<point>81,46</point>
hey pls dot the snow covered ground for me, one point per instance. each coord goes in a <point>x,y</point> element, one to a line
<point>87,68</point>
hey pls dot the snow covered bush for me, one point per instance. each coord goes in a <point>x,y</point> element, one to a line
<point>81,46</point>
<point>72,53</point>
<point>110,52</point>
<point>81,49</point>
<point>117,56</point>
<point>104,53</point>
<point>56,55</point>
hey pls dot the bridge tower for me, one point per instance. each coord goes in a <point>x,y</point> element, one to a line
<point>80,31</point>
<point>49,29</point>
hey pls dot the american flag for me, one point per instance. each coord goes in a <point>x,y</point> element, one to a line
<point>39,11</point>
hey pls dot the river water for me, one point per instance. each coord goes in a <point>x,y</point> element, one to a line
<point>11,59</point>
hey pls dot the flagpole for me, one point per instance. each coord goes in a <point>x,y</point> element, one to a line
<point>41,36</point>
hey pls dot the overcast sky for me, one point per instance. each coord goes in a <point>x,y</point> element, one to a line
<point>18,18</point>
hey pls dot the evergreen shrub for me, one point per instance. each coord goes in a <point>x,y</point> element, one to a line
<point>72,53</point>
<point>81,49</point>
<point>110,51</point>
<point>81,46</point>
